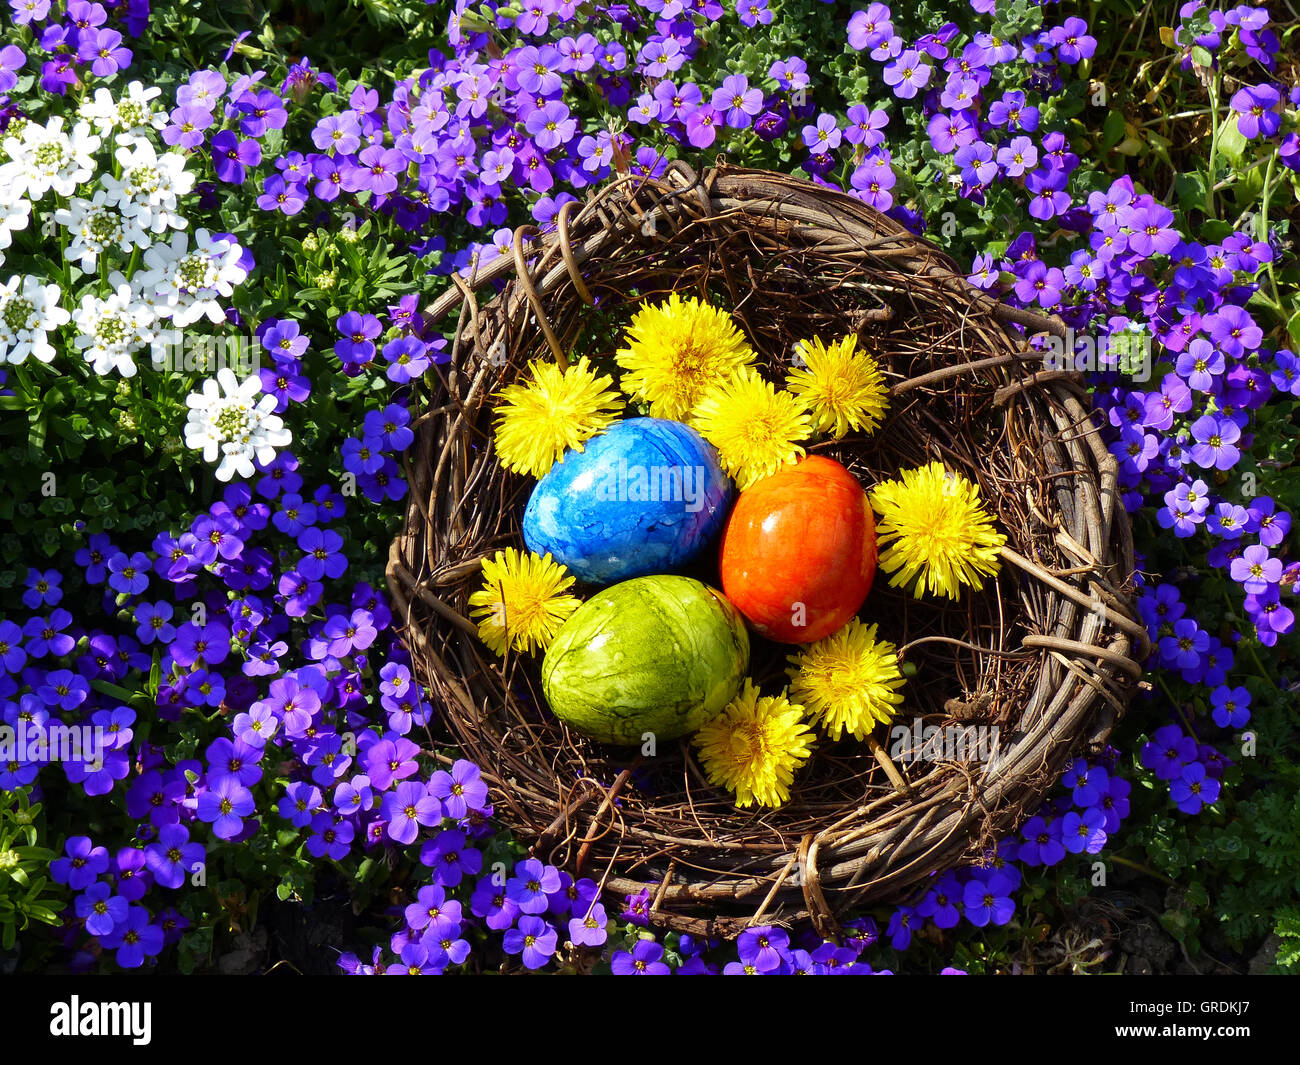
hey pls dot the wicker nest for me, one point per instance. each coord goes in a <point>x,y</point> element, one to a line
<point>1047,653</point>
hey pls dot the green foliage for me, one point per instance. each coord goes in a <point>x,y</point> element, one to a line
<point>26,894</point>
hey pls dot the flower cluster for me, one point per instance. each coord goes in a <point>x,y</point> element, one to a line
<point>85,42</point>
<point>1095,802</point>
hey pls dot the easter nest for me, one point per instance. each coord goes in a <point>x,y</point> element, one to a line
<point>1044,657</point>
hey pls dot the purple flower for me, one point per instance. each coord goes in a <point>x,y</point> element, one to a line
<point>1072,41</point>
<point>587,928</point>
<point>1234,330</point>
<point>134,939</point>
<point>907,74</point>
<point>408,807</point>
<point>899,929</point>
<point>104,51</point>
<point>534,939</point>
<point>263,110</point>
<point>1216,440</point>
<point>1087,783</point>
<point>390,760</point>
<point>203,90</point>
<point>1152,231</point>
<point>1018,156</point>
<point>172,858</point>
<point>1194,789</point>
<point>1012,111</point>
<point>702,126</point>
<point>348,634</point>
<point>331,837</point>
<point>1083,832</point>
<point>322,557</point>
<point>224,806</point>
<point>824,136</point>
<point>1256,108</point>
<point>1049,196</point>
<point>865,126</point>
<point>231,157</point>
<point>28,11</point>
<point>869,28</point>
<point>551,125</point>
<point>1168,751</point>
<point>1041,842</point>
<point>988,901</point>
<point>1256,570</point>
<point>645,959</point>
<point>84,863</point>
<point>1200,365</point>
<point>376,170</point>
<point>450,858</point>
<point>432,910</point>
<point>45,636</point>
<point>359,332</point>
<point>300,803</point>
<point>737,102</point>
<point>42,588</point>
<point>186,127</point>
<point>129,573</point>
<point>530,885</point>
<point>279,195</point>
<point>1272,525</point>
<point>1231,706</point>
<point>461,790</point>
<point>101,910</point>
<point>408,359</point>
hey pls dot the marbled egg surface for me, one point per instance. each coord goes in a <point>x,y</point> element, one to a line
<point>645,496</point>
<point>799,552</point>
<point>661,655</point>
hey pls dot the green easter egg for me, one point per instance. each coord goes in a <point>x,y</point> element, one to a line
<point>659,654</point>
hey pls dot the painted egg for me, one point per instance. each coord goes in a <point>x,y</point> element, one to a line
<point>661,655</point>
<point>645,496</point>
<point>799,551</point>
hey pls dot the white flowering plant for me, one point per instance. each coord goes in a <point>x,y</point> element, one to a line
<point>103,279</point>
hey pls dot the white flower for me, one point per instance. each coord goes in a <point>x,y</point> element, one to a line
<point>28,311</point>
<point>149,186</point>
<point>238,426</point>
<point>14,215</point>
<point>184,284</point>
<point>133,115</point>
<point>97,225</point>
<point>44,158</point>
<point>112,329</point>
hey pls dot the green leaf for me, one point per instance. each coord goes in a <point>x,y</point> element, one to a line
<point>1231,143</point>
<point>1112,130</point>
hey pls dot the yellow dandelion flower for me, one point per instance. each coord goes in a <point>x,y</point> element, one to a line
<point>934,534</point>
<point>848,681</point>
<point>520,604</point>
<point>843,386</point>
<point>537,421</point>
<point>754,747</point>
<point>676,350</point>
<point>753,426</point>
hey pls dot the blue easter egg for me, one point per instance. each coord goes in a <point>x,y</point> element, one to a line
<point>646,496</point>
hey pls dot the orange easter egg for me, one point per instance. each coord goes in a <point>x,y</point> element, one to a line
<point>799,551</point>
